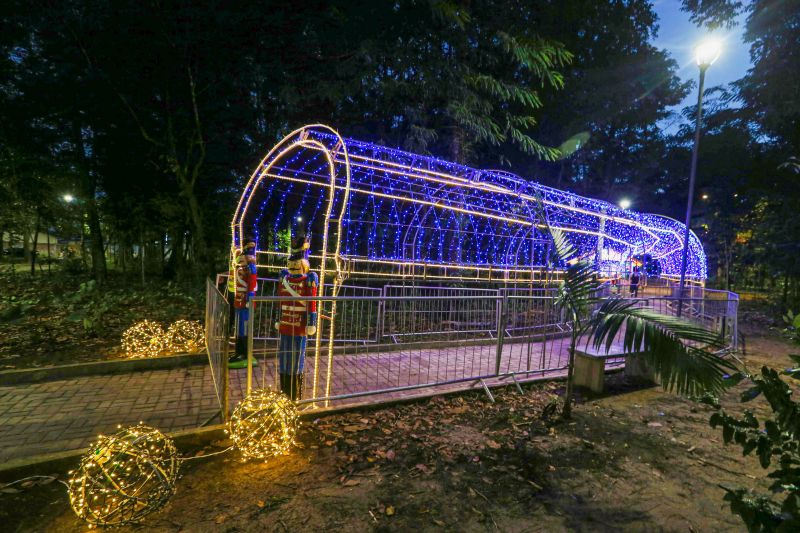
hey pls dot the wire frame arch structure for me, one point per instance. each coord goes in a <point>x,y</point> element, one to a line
<point>404,244</point>
<point>377,212</point>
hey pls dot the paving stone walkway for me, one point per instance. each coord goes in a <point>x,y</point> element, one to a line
<point>63,415</point>
<point>55,416</point>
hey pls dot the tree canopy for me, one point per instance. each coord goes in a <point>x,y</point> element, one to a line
<point>153,114</point>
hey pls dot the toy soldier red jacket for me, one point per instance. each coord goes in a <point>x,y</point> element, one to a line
<point>296,315</point>
<point>245,287</point>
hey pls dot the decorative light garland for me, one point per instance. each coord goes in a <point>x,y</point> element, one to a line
<point>143,339</point>
<point>404,209</point>
<point>148,338</point>
<point>264,424</point>
<point>185,336</point>
<point>124,477</point>
<point>127,476</point>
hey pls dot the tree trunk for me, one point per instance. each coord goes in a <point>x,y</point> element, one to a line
<point>786,288</point>
<point>456,146</point>
<point>96,238</point>
<point>198,231</point>
<point>26,239</point>
<point>49,257</point>
<point>163,252</point>
<point>566,412</point>
<point>35,242</point>
<point>89,190</point>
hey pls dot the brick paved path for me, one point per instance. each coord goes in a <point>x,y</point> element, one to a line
<point>64,415</point>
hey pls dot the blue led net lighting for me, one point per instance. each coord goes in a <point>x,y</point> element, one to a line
<point>404,211</point>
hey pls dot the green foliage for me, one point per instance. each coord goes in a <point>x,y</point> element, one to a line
<point>713,13</point>
<point>792,325</point>
<point>776,443</point>
<point>681,354</point>
<point>284,239</point>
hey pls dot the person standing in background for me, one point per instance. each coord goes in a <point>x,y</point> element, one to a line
<point>635,278</point>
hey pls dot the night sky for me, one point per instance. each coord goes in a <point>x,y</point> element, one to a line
<point>679,36</point>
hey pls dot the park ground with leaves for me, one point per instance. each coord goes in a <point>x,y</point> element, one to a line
<point>635,459</point>
<point>60,319</point>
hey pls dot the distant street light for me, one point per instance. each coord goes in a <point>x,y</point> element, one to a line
<point>705,55</point>
<point>299,219</point>
<point>625,203</point>
<point>704,197</point>
<point>68,198</point>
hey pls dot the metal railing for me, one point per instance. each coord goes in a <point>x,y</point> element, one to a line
<point>414,337</point>
<point>217,330</point>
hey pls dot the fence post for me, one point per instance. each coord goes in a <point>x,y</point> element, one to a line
<point>501,331</point>
<point>225,408</point>
<point>251,317</point>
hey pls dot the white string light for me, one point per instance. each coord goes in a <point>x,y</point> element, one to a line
<point>264,424</point>
<point>124,477</point>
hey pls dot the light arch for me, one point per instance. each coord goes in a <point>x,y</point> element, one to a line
<point>387,213</point>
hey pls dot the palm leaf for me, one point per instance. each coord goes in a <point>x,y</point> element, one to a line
<point>579,291</point>
<point>680,353</point>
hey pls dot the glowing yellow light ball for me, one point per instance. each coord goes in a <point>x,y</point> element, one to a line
<point>124,477</point>
<point>185,336</point>
<point>144,339</point>
<point>264,424</point>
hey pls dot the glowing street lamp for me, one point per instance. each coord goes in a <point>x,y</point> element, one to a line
<point>68,198</point>
<point>625,203</point>
<point>705,54</point>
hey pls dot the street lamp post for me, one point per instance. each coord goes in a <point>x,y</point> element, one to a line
<point>705,55</point>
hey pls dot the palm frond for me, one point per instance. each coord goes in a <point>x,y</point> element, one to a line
<point>563,248</point>
<point>679,352</point>
<point>579,290</point>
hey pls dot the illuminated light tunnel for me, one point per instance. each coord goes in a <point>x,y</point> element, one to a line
<point>381,212</point>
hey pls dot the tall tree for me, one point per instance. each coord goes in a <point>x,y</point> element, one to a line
<point>617,89</point>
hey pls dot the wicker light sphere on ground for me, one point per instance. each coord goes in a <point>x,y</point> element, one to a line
<point>124,477</point>
<point>264,424</point>
<point>185,336</point>
<point>143,339</point>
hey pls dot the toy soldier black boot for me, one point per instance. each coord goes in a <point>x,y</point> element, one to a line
<point>239,360</point>
<point>286,384</point>
<point>297,388</point>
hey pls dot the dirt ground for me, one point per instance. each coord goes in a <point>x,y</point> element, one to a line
<point>635,459</point>
<point>61,319</point>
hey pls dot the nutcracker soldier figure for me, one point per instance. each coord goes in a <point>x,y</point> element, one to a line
<point>245,286</point>
<point>298,319</point>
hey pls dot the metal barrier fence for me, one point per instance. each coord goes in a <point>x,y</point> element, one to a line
<point>414,337</point>
<point>424,341</point>
<point>398,338</point>
<point>217,316</point>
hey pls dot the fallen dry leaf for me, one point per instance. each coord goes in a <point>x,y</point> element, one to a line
<point>425,469</point>
<point>390,510</point>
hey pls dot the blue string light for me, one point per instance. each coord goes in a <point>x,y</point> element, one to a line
<point>405,208</point>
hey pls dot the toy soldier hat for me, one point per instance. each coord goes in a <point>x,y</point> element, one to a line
<point>300,245</point>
